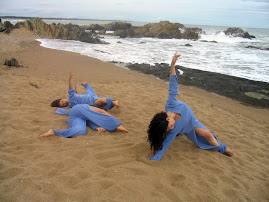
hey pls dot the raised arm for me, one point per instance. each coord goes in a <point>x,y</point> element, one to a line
<point>174,60</point>
<point>70,79</point>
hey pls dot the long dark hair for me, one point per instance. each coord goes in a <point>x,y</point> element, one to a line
<point>157,131</point>
<point>56,103</point>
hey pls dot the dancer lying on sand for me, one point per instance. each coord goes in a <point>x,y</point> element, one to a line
<point>80,116</point>
<point>179,119</point>
<point>89,98</point>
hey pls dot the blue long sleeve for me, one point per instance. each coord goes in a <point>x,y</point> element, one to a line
<point>166,143</point>
<point>62,111</point>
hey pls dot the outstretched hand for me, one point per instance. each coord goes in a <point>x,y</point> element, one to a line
<point>175,58</point>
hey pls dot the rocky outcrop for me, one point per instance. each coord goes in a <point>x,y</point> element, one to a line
<point>256,47</point>
<point>247,91</point>
<point>191,33</point>
<point>114,26</point>
<point>6,27</point>
<point>164,30</point>
<point>161,30</point>
<point>59,31</point>
<point>13,62</point>
<point>237,32</point>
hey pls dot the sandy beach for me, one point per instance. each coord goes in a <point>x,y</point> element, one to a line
<point>114,166</point>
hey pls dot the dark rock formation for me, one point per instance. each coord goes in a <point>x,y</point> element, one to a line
<point>165,30</point>
<point>60,31</point>
<point>12,62</point>
<point>93,27</point>
<point>114,26</point>
<point>6,27</point>
<point>188,45</point>
<point>33,84</point>
<point>161,30</point>
<point>247,91</point>
<point>237,32</point>
<point>208,41</point>
<point>191,33</point>
<point>256,47</point>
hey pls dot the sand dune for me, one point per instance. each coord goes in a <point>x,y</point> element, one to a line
<point>114,166</point>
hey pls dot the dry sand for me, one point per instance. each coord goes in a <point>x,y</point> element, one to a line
<point>114,166</point>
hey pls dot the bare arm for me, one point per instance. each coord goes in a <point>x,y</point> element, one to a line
<point>174,60</point>
<point>70,79</point>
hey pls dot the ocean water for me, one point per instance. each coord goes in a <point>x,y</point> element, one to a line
<point>228,56</point>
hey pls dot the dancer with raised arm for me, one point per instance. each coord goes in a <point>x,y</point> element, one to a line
<point>90,98</point>
<point>178,120</point>
<point>81,115</point>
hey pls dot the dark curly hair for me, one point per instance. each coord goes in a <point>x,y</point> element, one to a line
<point>157,131</point>
<point>56,103</point>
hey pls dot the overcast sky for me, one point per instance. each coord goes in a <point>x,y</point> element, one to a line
<point>241,13</point>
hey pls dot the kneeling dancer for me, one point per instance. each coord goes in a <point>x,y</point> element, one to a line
<point>179,119</point>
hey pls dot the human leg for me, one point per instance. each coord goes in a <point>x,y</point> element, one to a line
<point>207,135</point>
<point>49,133</point>
<point>107,103</point>
<point>100,101</point>
<point>88,88</point>
<point>230,153</point>
<point>99,110</point>
<point>102,119</point>
<point>120,128</point>
<point>116,103</point>
<point>213,141</point>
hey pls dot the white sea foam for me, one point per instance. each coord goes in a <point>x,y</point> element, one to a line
<point>228,56</point>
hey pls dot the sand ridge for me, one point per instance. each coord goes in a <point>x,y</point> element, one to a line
<point>114,166</point>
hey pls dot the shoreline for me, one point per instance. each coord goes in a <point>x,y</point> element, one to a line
<point>247,91</point>
<point>115,166</point>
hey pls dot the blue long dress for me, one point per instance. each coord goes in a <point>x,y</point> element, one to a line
<point>87,98</point>
<point>184,125</point>
<point>80,116</point>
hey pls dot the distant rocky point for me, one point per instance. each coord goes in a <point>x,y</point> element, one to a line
<point>161,30</point>
<point>237,32</point>
<point>52,31</point>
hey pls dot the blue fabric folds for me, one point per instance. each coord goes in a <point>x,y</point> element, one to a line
<point>80,116</point>
<point>87,98</point>
<point>184,125</point>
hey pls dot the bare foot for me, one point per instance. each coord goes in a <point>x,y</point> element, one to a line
<point>100,129</point>
<point>83,83</point>
<point>122,129</point>
<point>49,133</point>
<point>230,153</point>
<point>116,103</point>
